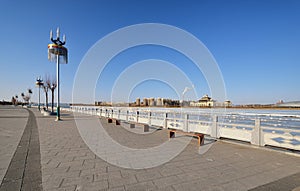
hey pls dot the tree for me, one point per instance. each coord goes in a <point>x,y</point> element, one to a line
<point>52,84</point>
<point>46,89</point>
<point>13,101</point>
<point>27,97</point>
<point>23,96</point>
<point>16,100</point>
<point>29,94</point>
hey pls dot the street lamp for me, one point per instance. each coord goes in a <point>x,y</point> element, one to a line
<point>186,89</point>
<point>57,52</point>
<point>39,82</point>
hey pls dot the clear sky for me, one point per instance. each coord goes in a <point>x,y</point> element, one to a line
<point>255,43</point>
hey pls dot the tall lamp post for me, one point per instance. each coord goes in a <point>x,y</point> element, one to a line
<point>57,52</point>
<point>186,89</point>
<point>39,82</point>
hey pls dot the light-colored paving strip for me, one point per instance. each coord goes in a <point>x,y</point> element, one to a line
<point>68,164</point>
<point>12,124</point>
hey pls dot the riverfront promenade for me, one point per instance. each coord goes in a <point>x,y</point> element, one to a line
<point>38,153</point>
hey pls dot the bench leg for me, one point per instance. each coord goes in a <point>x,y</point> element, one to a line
<point>109,120</point>
<point>132,126</point>
<point>172,134</point>
<point>117,122</point>
<point>146,128</point>
<point>200,140</point>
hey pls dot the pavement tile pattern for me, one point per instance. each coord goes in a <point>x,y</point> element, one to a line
<point>68,164</point>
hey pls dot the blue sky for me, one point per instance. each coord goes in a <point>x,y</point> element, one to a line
<point>255,43</point>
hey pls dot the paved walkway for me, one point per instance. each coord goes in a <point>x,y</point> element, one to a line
<point>12,125</point>
<point>68,164</point>
<point>24,170</point>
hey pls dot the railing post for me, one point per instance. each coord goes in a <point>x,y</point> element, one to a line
<point>165,121</point>
<point>119,114</point>
<point>214,128</point>
<point>137,116</point>
<point>186,120</point>
<point>256,137</point>
<point>127,115</point>
<point>149,118</point>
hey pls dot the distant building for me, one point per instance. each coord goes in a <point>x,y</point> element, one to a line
<point>227,103</point>
<point>159,102</point>
<point>145,102</point>
<point>280,102</point>
<point>170,102</point>
<point>138,102</point>
<point>289,104</point>
<point>100,103</point>
<point>151,101</point>
<point>205,101</point>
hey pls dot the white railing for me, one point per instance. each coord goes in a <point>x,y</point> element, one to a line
<point>254,133</point>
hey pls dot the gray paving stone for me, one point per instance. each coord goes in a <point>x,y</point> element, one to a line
<point>167,181</point>
<point>191,186</point>
<point>94,186</point>
<point>12,185</point>
<point>233,185</point>
<point>14,175</point>
<point>49,171</point>
<point>105,176</point>
<point>116,182</point>
<point>69,188</point>
<point>145,176</point>
<point>286,183</point>
<point>83,180</point>
<point>141,186</point>
<point>121,188</point>
<point>52,183</point>
<point>33,185</point>
<point>170,171</point>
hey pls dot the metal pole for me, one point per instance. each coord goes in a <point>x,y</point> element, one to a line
<point>39,98</point>
<point>57,79</point>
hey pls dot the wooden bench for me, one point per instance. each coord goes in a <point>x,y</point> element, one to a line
<point>145,127</point>
<point>110,120</point>
<point>132,125</point>
<point>200,136</point>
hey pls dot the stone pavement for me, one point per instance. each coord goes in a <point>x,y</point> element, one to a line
<point>12,125</point>
<point>24,170</point>
<point>68,164</point>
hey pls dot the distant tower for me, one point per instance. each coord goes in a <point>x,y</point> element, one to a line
<point>138,102</point>
<point>159,101</point>
<point>145,102</point>
<point>151,101</point>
